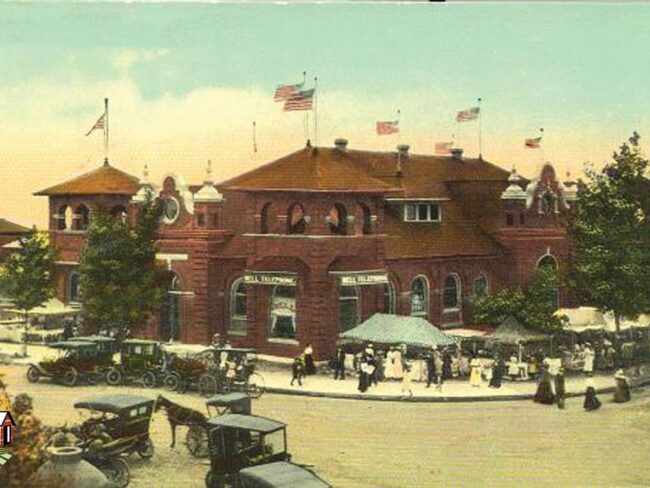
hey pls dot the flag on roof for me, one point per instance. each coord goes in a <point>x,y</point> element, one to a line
<point>443,148</point>
<point>303,100</point>
<point>533,143</point>
<point>100,124</point>
<point>387,127</point>
<point>284,92</point>
<point>467,115</point>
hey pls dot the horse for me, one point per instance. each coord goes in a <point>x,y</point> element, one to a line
<point>178,415</point>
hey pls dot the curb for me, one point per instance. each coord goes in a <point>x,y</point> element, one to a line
<point>436,399</point>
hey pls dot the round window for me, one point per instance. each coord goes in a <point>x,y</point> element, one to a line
<point>170,210</point>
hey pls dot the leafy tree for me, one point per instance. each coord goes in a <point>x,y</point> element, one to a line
<point>611,233</point>
<point>118,273</point>
<point>533,306</point>
<point>26,277</point>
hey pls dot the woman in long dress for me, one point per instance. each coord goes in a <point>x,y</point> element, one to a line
<point>310,367</point>
<point>475,375</point>
<point>446,366</point>
<point>497,373</point>
<point>388,364</point>
<point>544,393</point>
<point>622,389</point>
<point>406,381</point>
<point>397,364</point>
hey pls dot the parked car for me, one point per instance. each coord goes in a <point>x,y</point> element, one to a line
<point>76,361</point>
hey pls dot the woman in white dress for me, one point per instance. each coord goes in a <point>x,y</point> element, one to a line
<point>475,375</point>
<point>397,364</point>
<point>388,364</point>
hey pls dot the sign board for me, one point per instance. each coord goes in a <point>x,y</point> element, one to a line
<point>270,278</point>
<point>361,279</point>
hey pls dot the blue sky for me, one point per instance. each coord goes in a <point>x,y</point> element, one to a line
<point>185,81</point>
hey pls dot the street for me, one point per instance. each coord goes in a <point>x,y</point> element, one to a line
<point>355,443</point>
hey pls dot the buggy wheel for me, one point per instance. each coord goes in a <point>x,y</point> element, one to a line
<point>70,377</point>
<point>116,470</point>
<point>172,382</point>
<point>255,386</point>
<point>113,377</point>
<point>92,378</point>
<point>149,379</point>
<point>197,441</point>
<point>33,374</point>
<point>145,449</point>
<point>207,385</point>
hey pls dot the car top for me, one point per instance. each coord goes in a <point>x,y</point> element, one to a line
<point>92,338</point>
<point>240,350</point>
<point>246,422</point>
<point>224,400</point>
<point>280,474</point>
<point>112,402</point>
<point>71,344</point>
<point>140,342</point>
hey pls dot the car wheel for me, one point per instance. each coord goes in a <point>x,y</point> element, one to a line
<point>172,382</point>
<point>70,377</point>
<point>256,385</point>
<point>197,441</point>
<point>117,470</point>
<point>145,449</point>
<point>149,379</point>
<point>113,377</point>
<point>33,374</point>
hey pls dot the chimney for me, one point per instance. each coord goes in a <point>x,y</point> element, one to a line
<point>457,153</point>
<point>341,144</point>
<point>403,150</point>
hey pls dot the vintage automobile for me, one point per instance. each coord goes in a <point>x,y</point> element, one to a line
<point>106,346</point>
<point>197,435</point>
<point>231,369</point>
<point>237,441</point>
<point>184,366</point>
<point>140,360</point>
<point>280,475</point>
<point>76,361</point>
<point>116,425</point>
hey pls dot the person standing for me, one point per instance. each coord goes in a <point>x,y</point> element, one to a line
<point>398,371</point>
<point>588,358</point>
<point>339,371</point>
<point>310,367</point>
<point>560,389</point>
<point>437,365</point>
<point>406,380</point>
<point>388,364</point>
<point>498,368</point>
<point>544,393</point>
<point>446,366</point>
<point>363,374</point>
<point>622,389</point>
<point>475,375</point>
<point>431,368</point>
<point>298,370</point>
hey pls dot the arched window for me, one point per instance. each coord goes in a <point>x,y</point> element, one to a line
<point>119,212</point>
<point>389,298</point>
<point>264,219</point>
<point>451,292</point>
<point>238,308</point>
<point>337,219</point>
<point>348,307</point>
<point>283,312</point>
<point>74,288</point>
<point>64,218</point>
<point>296,223</point>
<point>367,218</point>
<point>171,308</point>
<point>420,296</point>
<point>481,286</point>
<point>82,216</point>
<point>547,261</point>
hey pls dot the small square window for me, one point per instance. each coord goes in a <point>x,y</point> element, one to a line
<point>410,212</point>
<point>434,212</point>
<point>200,219</point>
<point>423,212</point>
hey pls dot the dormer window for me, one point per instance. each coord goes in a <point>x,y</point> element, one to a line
<point>422,212</point>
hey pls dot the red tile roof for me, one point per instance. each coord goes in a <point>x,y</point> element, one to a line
<point>105,180</point>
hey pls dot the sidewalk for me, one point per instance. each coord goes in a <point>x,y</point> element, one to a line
<point>277,376</point>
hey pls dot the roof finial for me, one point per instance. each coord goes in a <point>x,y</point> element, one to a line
<point>208,172</point>
<point>145,173</point>
<point>106,161</point>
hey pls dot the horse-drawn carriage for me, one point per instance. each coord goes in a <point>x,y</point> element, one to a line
<point>76,361</point>
<point>237,441</point>
<point>230,370</point>
<point>117,425</point>
<point>141,360</point>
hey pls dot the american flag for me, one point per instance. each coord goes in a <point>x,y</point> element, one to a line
<point>100,124</point>
<point>387,127</point>
<point>303,100</point>
<point>533,143</point>
<point>467,115</point>
<point>285,92</point>
<point>443,148</point>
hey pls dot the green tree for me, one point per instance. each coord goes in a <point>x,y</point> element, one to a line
<point>26,277</point>
<point>610,232</point>
<point>118,273</point>
<point>533,306</point>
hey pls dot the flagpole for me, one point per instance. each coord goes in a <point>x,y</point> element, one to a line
<point>480,141</point>
<point>254,137</point>
<point>315,111</point>
<point>106,128</point>
<point>306,117</point>
<point>399,126</point>
<point>541,134</point>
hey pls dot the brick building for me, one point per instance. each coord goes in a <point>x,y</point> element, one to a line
<point>311,244</point>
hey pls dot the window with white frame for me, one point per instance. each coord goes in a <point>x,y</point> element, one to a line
<point>421,212</point>
<point>419,296</point>
<point>238,308</point>
<point>451,293</point>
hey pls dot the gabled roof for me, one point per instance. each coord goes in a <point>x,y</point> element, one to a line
<point>310,169</point>
<point>7,227</point>
<point>3,417</point>
<point>105,180</point>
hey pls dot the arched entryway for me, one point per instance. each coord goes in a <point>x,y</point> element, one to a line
<point>171,316</point>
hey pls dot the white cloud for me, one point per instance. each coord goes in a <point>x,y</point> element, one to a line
<point>125,59</point>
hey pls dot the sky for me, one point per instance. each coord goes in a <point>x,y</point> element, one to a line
<point>186,82</point>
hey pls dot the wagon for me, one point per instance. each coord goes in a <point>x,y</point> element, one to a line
<point>76,361</point>
<point>117,425</point>
<point>197,437</point>
<point>282,474</point>
<point>140,360</point>
<point>238,441</point>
